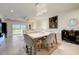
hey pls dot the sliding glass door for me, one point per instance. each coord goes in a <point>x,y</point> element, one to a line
<point>18,28</point>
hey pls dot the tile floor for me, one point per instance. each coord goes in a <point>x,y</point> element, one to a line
<point>16,47</point>
<point>67,49</point>
<point>13,47</point>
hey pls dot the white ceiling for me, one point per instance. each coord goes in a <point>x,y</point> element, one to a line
<point>29,9</point>
<point>20,9</point>
<point>56,8</point>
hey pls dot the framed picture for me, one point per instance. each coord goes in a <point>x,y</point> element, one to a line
<point>30,26</point>
<point>53,22</point>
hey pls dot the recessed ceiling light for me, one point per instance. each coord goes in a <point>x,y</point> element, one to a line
<point>11,11</point>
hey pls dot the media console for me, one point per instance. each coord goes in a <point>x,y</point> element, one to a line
<point>70,36</point>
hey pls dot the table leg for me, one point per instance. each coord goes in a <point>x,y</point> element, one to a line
<point>56,38</point>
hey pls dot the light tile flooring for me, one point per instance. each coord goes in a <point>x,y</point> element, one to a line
<point>16,46</point>
<point>67,49</point>
<point>13,47</point>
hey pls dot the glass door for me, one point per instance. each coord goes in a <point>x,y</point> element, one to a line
<point>18,29</point>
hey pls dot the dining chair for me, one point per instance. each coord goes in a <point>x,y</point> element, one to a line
<point>30,46</point>
<point>50,40</point>
<point>39,44</point>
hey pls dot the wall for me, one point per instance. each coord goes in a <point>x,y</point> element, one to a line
<point>9,30</point>
<point>64,19</point>
<point>2,18</point>
<point>42,24</point>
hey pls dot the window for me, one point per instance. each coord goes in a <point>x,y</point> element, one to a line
<point>18,28</point>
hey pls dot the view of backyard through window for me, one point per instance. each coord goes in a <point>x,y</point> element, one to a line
<point>18,28</point>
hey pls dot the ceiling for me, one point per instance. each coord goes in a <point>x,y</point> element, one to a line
<point>22,10</point>
<point>56,8</point>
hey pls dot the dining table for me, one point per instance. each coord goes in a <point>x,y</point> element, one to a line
<point>36,35</point>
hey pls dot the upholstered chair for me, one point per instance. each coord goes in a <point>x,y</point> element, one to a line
<point>49,41</point>
<point>30,46</point>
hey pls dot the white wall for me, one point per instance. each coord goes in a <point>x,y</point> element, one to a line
<point>64,20</point>
<point>42,24</point>
<point>9,30</point>
<point>2,18</point>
